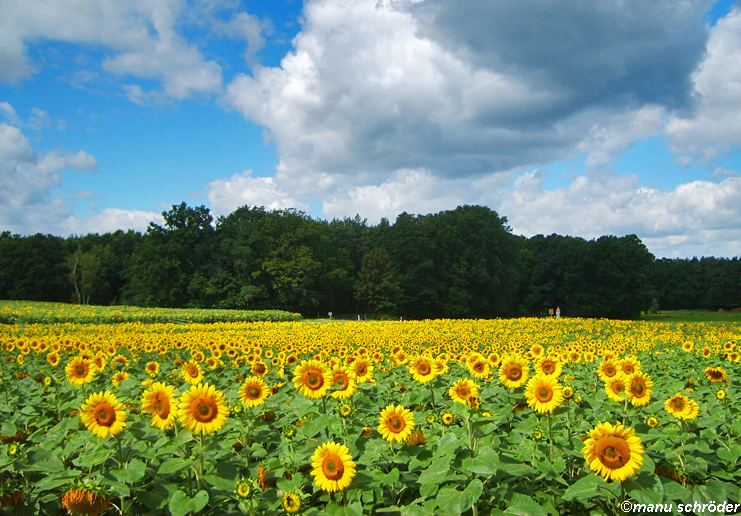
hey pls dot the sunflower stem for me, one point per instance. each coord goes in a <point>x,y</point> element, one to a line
<point>550,435</point>
<point>432,394</point>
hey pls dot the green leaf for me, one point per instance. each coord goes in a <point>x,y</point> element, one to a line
<point>730,456</point>
<point>133,472</point>
<point>40,459</point>
<point>173,465</point>
<point>713,491</point>
<point>585,488</point>
<point>436,472</point>
<point>484,463</point>
<point>522,505</point>
<point>180,504</point>
<point>645,488</point>
<point>449,499</point>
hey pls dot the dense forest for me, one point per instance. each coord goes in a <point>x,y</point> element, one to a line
<point>462,263</point>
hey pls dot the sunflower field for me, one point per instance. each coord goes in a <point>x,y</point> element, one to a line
<point>443,417</point>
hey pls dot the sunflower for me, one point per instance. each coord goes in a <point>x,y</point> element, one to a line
<point>716,374</point>
<point>344,378</point>
<point>103,415</point>
<point>159,400</point>
<point>607,369</point>
<point>119,377</point>
<point>478,366</point>
<point>203,409</point>
<point>549,365</point>
<point>245,488</point>
<point>192,372</point>
<point>652,421</point>
<point>462,390</point>
<point>544,393</point>
<point>613,452</point>
<point>80,370</point>
<point>312,379</point>
<point>615,388</point>
<point>363,369</point>
<point>638,389</point>
<point>85,501</point>
<point>721,394</point>
<point>291,502</point>
<point>568,392</point>
<point>681,407</point>
<point>152,368</point>
<point>396,423</point>
<point>333,467</point>
<point>422,368</point>
<point>514,371</point>
<point>53,358</point>
<point>254,391</point>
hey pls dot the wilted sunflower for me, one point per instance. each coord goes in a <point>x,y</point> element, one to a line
<point>396,423</point>
<point>291,502</point>
<point>85,501</point>
<point>254,391</point>
<point>514,371</point>
<point>80,370</point>
<point>344,379</point>
<point>312,379</point>
<point>203,409</point>
<point>192,372</point>
<point>159,400</point>
<point>638,389</point>
<point>544,393</point>
<point>333,467</point>
<point>422,368</point>
<point>462,390</point>
<point>716,374</point>
<point>103,415</point>
<point>613,452</point>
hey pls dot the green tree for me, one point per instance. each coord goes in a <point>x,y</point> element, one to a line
<point>378,287</point>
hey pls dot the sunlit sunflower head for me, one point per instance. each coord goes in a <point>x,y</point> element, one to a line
<point>462,390</point>
<point>312,379</point>
<point>568,392</point>
<point>638,389</point>
<point>118,377</point>
<point>292,502</point>
<point>245,488</point>
<point>652,421</point>
<point>192,372</point>
<point>363,369</point>
<point>608,369</point>
<point>103,415</point>
<point>203,409</point>
<point>422,368</point>
<point>159,400</point>
<point>615,388</point>
<point>514,371</point>
<point>84,500</point>
<point>152,367</point>
<point>53,358</point>
<point>478,366</point>
<point>80,370</point>
<point>613,451</point>
<point>630,365</point>
<point>343,378</point>
<point>333,467</point>
<point>395,423</point>
<point>716,374</point>
<point>681,407</point>
<point>721,394</point>
<point>254,391</point>
<point>544,393</point>
<point>549,365</point>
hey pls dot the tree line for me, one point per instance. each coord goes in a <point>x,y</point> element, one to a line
<point>462,263</point>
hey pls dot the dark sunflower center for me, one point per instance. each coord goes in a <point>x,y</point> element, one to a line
<point>549,368</point>
<point>361,370</point>
<point>639,389</point>
<point>205,412</point>
<point>80,370</point>
<point>105,415</point>
<point>396,424</point>
<point>678,404</point>
<point>613,452</point>
<point>333,468</point>
<point>314,379</point>
<point>162,406</point>
<point>424,369</point>
<point>254,392</point>
<point>544,394</point>
<point>343,380</point>
<point>514,373</point>
<point>259,368</point>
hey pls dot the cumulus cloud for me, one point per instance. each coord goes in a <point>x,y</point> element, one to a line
<point>143,39</point>
<point>226,195</point>
<point>109,220</point>
<point>463,89</point>
<point>695,218</point>
<point>714,126</point>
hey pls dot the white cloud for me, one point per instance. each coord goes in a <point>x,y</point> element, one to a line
<point>226,195</point>
<point>695,218</point>
<point>714,126</point>
<point>109,220</point>
<point>142,39</point>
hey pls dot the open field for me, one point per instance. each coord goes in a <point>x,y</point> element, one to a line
<point>411,418</point>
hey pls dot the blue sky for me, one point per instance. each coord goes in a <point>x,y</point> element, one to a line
<point>579,119</point>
